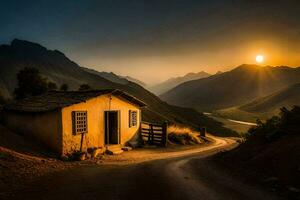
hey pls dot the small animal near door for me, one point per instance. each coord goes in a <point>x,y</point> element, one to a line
<point>112,134</point>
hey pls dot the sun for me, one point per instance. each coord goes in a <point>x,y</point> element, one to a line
<point>259,58</point>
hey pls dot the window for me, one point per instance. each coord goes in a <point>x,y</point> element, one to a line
<point>132,118</point>
<point>79,121</point>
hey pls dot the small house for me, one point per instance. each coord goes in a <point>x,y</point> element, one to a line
<point>74,121</point>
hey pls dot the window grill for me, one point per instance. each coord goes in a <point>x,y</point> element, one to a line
<point>132,118</point>
<point>79,122</point>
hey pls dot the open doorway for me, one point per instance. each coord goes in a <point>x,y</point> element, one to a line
<point>111,127</point>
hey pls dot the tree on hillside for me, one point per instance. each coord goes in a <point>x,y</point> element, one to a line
<point>64,87</point>
<point>30,83</point>
<point>52,86</point>
<point>84,87</point>
<point>285,124</point>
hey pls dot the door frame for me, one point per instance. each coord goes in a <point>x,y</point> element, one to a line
<point>106,143</point>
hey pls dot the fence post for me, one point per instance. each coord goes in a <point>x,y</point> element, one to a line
<point>152,134</point>
<point>149,134</point>
<point>165,134</point>
<point>202,131</point>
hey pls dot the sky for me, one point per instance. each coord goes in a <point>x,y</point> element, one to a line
<point>153,40</point>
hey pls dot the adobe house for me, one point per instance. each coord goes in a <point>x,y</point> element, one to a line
<point>72,121</point>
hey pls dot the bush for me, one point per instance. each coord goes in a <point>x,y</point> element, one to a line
<point>85,87</point>
<point>64,87</point>
<point>183,136</point>
<point>287,123</point>
<point>52,86</point>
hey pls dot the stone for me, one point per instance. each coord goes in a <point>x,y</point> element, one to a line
<point>134,144</point>
<point>64,158</point>
<point>96,153</point>
<point>293,189</point>
<point>88,156</point>
<point>82,156</point>
<point>126,148</point>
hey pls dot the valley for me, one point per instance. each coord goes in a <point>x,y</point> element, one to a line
<point>158,100</point>
<point>239,126</point>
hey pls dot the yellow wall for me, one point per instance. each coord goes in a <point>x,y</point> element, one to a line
<point>95,112</point>
<point>43,127</point>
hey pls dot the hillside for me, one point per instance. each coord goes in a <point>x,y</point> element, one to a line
<point>265,107</point>
<point>173,82</point>
<point>137,81</point>
<point>271,154</point>
<point>58,68</point>
<point>287,97</point>
<point>115,78</point>
<point>108,76</point>
<point>232,88</point>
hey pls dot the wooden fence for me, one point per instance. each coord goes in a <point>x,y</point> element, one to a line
<point>154,134</point>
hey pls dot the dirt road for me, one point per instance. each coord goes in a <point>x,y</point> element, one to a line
<point>181,176</point>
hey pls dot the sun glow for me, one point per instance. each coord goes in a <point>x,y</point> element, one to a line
<point>259,58</point>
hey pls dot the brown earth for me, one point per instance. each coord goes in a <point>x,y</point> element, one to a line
<point>176,172</point>
<point>275,165</point>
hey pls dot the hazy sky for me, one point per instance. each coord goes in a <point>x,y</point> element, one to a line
<point>155,39</point>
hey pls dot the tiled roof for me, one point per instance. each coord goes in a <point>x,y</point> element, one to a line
<point>59,99</point>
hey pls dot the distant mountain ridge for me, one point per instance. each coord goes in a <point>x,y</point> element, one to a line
<point>173,82</point>
<point>232,88</point>
<point>264,107</point>
<point>137,81</point>
<point>287,97</point>
<point>115,78</point>
<point>58,68</point>
<point>109,76</point>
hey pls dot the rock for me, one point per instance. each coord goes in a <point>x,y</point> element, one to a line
<point>99,162</point>
<point>126,148</point>
<point>88,156</point>
<point>64,158</point>
<point>96,153</point>
<point>134,144</point>
<point>114,152</point>
<point>271,179</point>
<point>293,189</point>
<point>82,156</point>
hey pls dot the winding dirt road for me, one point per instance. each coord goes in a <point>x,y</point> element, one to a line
<point>181,176</point>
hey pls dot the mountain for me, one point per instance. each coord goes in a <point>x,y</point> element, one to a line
<point>173,82</point>
<point>115,78</point>
<point>270,155</point>
<point>108,76</point>
<point>287,97</point>
<point>236,87</point>
<point>139,82</point>
<point>264,107</point>
<point>58,68</point>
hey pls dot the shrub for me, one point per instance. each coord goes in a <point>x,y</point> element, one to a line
<point>85,87</point>
<point>52,86</point>
<point>287,123</point>
<point>64,87</point>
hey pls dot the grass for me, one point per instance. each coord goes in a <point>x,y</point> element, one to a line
<point>183,135</point>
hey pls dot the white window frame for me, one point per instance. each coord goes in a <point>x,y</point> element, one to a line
<point>79,122</point>
<point>133,118</point>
